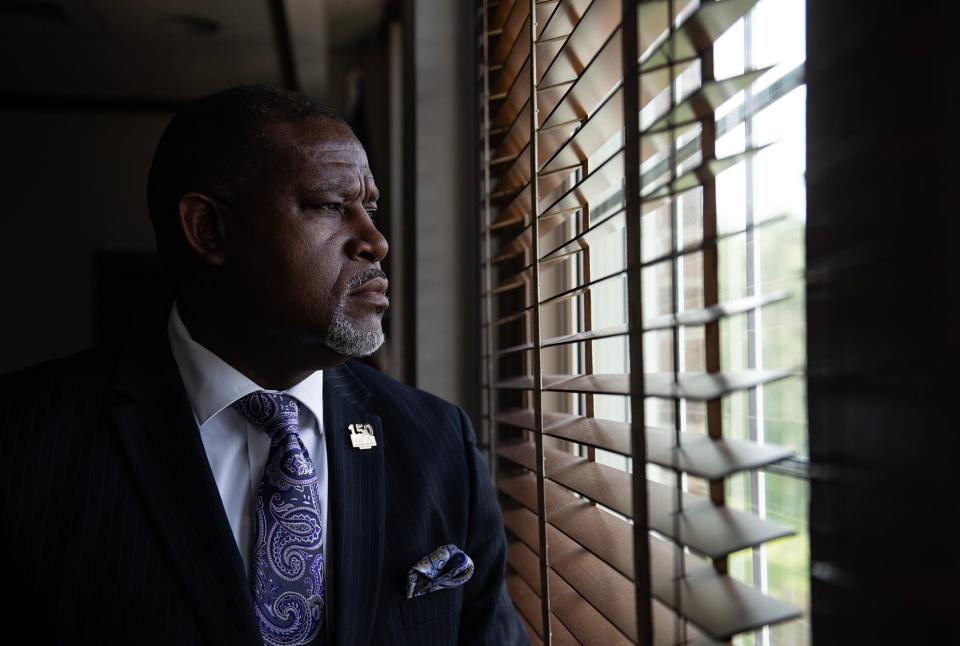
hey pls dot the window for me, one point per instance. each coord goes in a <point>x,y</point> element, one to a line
<point>690,265</point>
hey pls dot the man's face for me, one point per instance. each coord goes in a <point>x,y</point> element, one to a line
<point>307,253</point>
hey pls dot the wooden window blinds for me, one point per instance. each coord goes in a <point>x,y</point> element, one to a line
<point>604,305</point>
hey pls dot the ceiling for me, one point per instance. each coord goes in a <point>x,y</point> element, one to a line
<point>171,50</point>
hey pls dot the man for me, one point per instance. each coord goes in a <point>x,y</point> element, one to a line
<point>232,478</point>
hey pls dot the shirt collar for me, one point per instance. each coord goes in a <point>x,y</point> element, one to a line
<point>212,384</point>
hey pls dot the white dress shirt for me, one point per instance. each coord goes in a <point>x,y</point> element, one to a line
<point>237,450</point>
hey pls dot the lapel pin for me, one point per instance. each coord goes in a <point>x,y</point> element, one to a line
<point>361,436</point>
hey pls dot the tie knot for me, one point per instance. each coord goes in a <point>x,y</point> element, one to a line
<point>275,413</point>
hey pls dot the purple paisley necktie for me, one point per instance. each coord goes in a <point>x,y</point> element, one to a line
<point>287,572</point>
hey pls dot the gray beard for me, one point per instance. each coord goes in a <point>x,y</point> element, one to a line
<point>347,339</point>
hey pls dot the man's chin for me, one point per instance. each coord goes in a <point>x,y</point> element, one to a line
<point>353,339</point>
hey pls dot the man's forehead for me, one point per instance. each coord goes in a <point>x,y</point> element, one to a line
<point>355,157</point>
<point>336,174</point>
<point>323,141</point>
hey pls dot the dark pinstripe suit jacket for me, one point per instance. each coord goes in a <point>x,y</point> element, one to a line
<point>113,530</point>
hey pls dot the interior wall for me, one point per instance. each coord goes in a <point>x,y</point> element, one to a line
<point>74,184</point>
<point>446,312</point>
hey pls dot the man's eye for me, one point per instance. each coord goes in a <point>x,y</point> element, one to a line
<point>331,206</point>
<point>372,213</point>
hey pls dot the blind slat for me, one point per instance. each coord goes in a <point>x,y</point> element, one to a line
<point>523,489</point>
<point>611,222</point>
<point>713,313</point>
<point>516,212</point>
<point>513,316</point>
<point>695,386</point>
<point>597,130</point>
<point>523,241</point>
<point>518,127</point>
<point>526,563</point>
<point>698,454</point>
<point>581,97</point>
<point>710,530</point>
<point>513,44</point>
<point>701,103</point>
<point>564,18</point>
<point>512,35</point>
<point>605,70</point>
<point>528,603</point>
<point>696,33</point>
<point>515,140</point>
<point>596,25</point>
<point>517,245</point>
<point>708,241</point>
<point>704,527</point>
<point>518,209</point>
<point>606,175</point>
<point>531,633</point>
<point>669,630</point>
<point>607,119</point>
<point>590,431</point>
<point>617,330</point>
<point>514,100</point>
<point>574,612</point>
<point>514,61</point>
<point>706,171</point>
<point>703,457</point>
<point>522,347</point>
<point>547,51</point>
<point>499,16</point>
<point>608,589</point>
<point>692,317</point>
<point>721,605</point>
<point>519,279</point>
<point>517,178</point>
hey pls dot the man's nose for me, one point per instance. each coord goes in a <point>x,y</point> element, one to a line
<point>367,243</point>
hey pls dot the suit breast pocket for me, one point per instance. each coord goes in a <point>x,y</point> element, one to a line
<point>431,606</point>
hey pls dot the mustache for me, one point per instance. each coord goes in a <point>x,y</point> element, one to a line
<point>364,276</point>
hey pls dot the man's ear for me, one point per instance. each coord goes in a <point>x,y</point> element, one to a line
<point>202,221</point>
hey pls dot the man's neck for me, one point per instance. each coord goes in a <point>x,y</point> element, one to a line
<point>262,358</point>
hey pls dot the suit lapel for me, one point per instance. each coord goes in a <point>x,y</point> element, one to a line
<point>354,551</point>
<point>158,432</point>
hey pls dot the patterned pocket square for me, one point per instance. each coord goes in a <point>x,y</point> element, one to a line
<point>445,567</point>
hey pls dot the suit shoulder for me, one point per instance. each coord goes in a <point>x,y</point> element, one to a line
<point>381,384</point>
<point>387,388</point>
